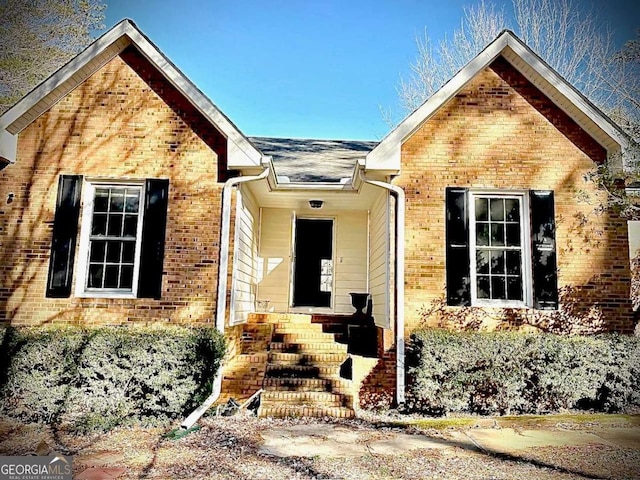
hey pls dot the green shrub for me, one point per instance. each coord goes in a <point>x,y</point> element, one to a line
<point>97,378</point>
<point>506,372</point>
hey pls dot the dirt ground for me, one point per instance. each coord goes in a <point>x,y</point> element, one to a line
<point>232,448</point>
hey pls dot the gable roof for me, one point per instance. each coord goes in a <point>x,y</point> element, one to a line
<point>386,156</point>
<point>308,160</point>
<point>241,153</point>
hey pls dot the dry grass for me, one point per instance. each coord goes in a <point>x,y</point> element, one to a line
<point>228,448</point>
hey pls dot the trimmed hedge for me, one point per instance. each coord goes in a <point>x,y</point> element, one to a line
<point>98,378</point>
<point>508,372</point>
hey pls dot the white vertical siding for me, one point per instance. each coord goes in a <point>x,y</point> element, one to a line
<point>379,259</point>
<point>245,254</point>
<point>274,261</point>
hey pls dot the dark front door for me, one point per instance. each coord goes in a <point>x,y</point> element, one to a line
<point>313,268</point>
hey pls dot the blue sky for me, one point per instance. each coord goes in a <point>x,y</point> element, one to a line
<point>305,68</point>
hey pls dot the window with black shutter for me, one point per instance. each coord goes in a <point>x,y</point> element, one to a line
<point>65,232</point>
<point>501,249</point>
<point>543,246</point>
<point>122,239</point>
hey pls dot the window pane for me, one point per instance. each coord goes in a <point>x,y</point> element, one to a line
<point>113,252</point>
<point>497,209</point>
<point>116,202</point>
<point>497,234</point>
<point>482,209</point>
<point>130,225</point>
<point>513,263</point>
<point>514,288</point>
<point>498,290</point>
<point>111,276</point>
<point>128,252</point>
<point>95,276</point>
<point>513,234</point>
<point>99,224</point>
<point>482,261</point>
<point>482,234</point>
<point>483,286</point>
<point>126,276</point>
<point>512,207</point>
<point>115,225</point>
<point>112,262</point>
<point>101,200</point>
<point>97,251</point>
<point>132,202</point>
<point>497,262</point>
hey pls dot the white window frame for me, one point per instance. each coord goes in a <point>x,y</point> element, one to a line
<point>82,271</point>
<point>525,242</point>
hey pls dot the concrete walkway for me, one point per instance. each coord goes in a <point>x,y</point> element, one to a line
<point>344,441</point>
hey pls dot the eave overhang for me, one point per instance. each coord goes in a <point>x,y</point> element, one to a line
<point>241,152</point>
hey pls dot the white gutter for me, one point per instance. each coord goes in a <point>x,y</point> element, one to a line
<point>398,278</point>
<point>223,271</point>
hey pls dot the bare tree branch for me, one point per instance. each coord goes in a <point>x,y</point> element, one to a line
<point>39,36</point>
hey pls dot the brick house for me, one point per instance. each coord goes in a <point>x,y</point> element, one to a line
<point>128,196</point>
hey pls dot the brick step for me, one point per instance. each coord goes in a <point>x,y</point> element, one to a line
<point>305,337</point>
<point>306,358</point>
<point>297,328</point>
<point>324,370</point>
<point>279,318</point>
<point>308,347</point>
<point>310,399</point>
<point>282,411</point>
<point>332,385</point>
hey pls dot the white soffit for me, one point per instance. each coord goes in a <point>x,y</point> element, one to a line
<point>241,152</point>
<point>386,156</point>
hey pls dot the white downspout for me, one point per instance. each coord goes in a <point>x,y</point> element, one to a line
<point>223,271</point>
<point>399,280</point>
<point>223,266</point>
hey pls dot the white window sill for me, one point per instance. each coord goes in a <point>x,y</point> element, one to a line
<point>105,295</point>
<point>499,304</point>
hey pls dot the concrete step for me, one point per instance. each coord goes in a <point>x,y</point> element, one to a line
<point>306,358</point>
<point>324,370</point>
<point>282,411</point>
<point>310,399</point>
<point>331,385</point>
<point>308,347</point>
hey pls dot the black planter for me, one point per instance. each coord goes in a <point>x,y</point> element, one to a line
<point>359,302</point>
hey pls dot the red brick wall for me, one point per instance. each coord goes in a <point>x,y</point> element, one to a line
<point>501,132</point>
<point>124,122</point>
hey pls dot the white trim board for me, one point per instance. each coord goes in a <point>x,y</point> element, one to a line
<point>386,155</point>
<point>241,152</point>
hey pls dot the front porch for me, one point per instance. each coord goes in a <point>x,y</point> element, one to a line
<point>306,365</point>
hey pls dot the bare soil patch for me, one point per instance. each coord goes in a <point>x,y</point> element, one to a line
<point>229,448</point>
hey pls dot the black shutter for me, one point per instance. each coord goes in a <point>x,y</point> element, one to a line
<point>543,249</point>
<point>153,232</point>
<point>458,268</point>
<point>65,232</point>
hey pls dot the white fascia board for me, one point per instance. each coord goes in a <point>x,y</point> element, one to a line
<point>240,151</point>
<point>63,74</point>
<point>567,90</point>
<point>386,155</point>
<point>8,146</point>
